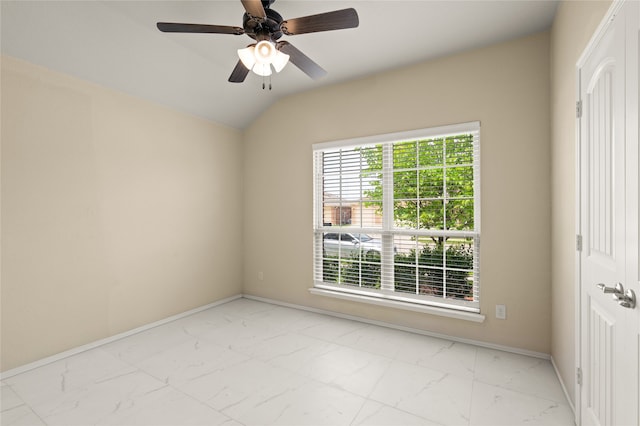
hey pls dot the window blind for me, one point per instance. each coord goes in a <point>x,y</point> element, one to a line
<point>398,216</point>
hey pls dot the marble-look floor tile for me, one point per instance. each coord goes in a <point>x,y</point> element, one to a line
<point>331,328</point>
<point>168,408</point>
<point>450,357</point>
<point>376,340</point>
<point>434,395</point>
<point>375,414</point>
<point>14,411</point>
<point>201,322</point>
<point>278,345</point>
<point>286,319</point>
<point>239,334</point>
<point>299,360</point>
<point>307,320</point>
<point>135,348</point>
<point>232,385</point>
<point>21,415</point>
<point>64,376</point>
<point>8,398</point>
<point>496,406</point>
<point>95,403</point>
<point>521,373</point>
<point>310,403</point>
<point>252,363</point>
<point>188,361</point>
<point>352,370</point>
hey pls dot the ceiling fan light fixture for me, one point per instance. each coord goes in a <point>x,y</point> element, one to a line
<point>247,56</point>
<point>259,58</point>
<point>280,60</point>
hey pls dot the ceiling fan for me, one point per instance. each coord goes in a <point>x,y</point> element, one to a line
<point>266,27</point>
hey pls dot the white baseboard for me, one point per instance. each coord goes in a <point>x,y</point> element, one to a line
<point>564,388</point>
<point>97,343</point>
<point>92,345</point>
<point>403,328</point>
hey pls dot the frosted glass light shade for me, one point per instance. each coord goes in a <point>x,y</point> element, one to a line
<point>280,61</point>
<point>263,70</point>
<point>247,56</point>
<point>264,52</point>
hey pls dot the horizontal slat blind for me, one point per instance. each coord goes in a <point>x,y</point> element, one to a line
<point>400,218</point>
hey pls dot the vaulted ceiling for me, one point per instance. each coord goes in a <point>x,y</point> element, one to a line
<point>116,44</point>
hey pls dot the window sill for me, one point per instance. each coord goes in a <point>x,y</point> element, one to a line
<point>432,310</point>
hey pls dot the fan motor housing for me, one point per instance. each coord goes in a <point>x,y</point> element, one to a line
<point>267,29</point>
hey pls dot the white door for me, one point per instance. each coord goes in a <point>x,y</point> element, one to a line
<point>609,323</point>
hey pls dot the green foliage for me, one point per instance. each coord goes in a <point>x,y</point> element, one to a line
<point>330,269</point>
<point>421,274</point>
<point>365,273</point>
<point>430,271</point>
<point>431,177</point>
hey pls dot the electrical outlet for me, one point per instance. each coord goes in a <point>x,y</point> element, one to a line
<point>501,311</point>
<point>260,276</point>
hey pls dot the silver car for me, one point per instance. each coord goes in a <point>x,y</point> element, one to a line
<point>348,244</point>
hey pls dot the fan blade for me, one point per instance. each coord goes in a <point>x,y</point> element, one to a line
<point>301,60</point>
<point>174,27</point>
<point>254,8</point>
<point>239,73</point>
<point>336,20</point>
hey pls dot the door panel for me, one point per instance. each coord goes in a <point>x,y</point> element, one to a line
<point>609,157</point>
<point>600,370</point>
<point>600,107</point>
<point>603,260</point>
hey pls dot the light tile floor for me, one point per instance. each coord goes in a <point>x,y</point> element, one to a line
<point>253,363</point>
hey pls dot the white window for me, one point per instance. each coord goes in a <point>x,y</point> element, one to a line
<point>397,217</point>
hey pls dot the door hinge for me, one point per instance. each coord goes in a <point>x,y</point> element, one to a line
<point>579,242</point>
<point>579,376</point>
<point>578,109</point>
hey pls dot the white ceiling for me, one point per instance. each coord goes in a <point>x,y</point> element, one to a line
<point>116,44</point>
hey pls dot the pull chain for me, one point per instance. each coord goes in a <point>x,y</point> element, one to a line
<point>264,85</point>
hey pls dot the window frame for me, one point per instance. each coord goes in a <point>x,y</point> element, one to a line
<point>388,229</point>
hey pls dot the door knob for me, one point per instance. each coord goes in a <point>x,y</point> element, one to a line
<point>626,300</point>
<point>617,290</point>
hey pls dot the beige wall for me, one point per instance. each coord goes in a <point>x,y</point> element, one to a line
<point>573,27</point>
<point>506,87</point>
<point>115,213</point>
